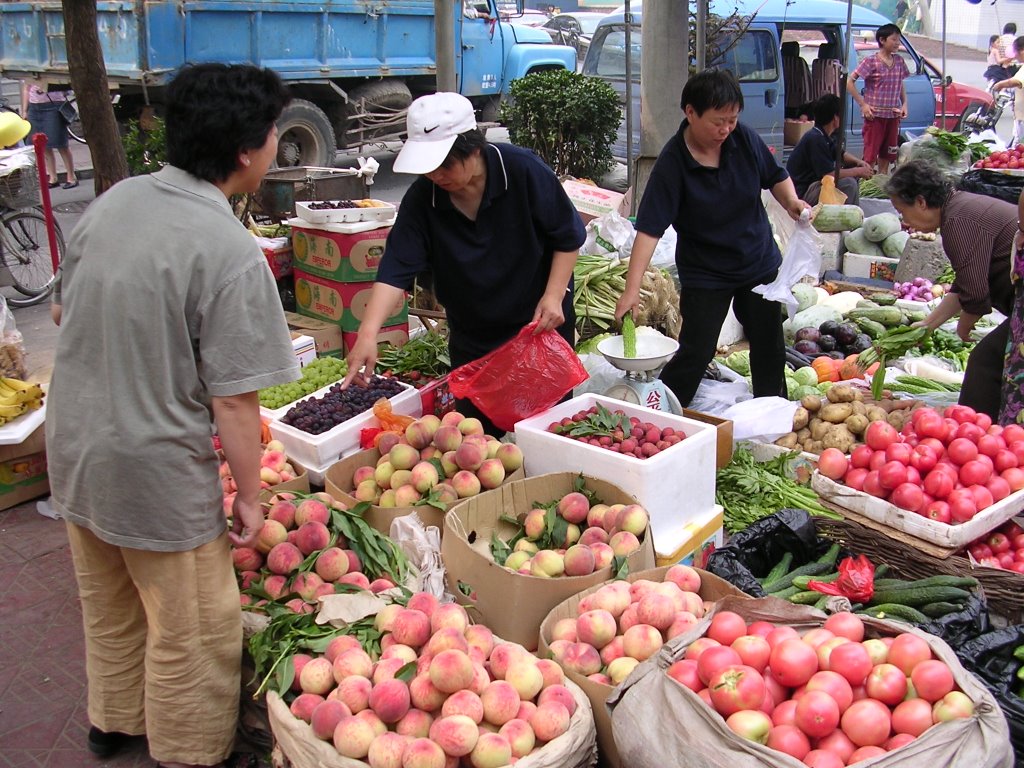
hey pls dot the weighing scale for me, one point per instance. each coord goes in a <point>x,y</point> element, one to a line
<point>640,384</point>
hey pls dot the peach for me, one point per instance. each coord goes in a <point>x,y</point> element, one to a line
<point>471,426</point>
<point>411,627</point>
<point>451,671</point>
<point>312,511</point>
<point>574,507</point>
<point>447,438</point>
<point>386,669</point>
<point>424,602</point>
<point>387,499</point>
<point>353,662</point>
<point>415,724</point>
<point>558,693</point>
<point>404,653</point>
<point>306,584</point>
<point>464,703</point>
<point>407,496</point>
<point>641,641</point>
<point>283,512</point>
<point>445,638</point>
<point>353,736</point>
<point>492,750</point>
<point>284,558</point>
<point>465,483</point>
<point>452,419</point>
<point>612,651</point>
<point>603,555</point>
<point>579,561</point>
<point>572,535</point>
<point>481,679</point>
<point>370,717</point>
<point>368,491</point>
<point>445,493</point>
<point>423,753</point>
<point>331,564</point>
<point>386,441</point>
<point>480,637</point>
<point>501,657</point>
<point>424,476</point>
<point>526,709</point>
<point>547,564</point>
<point>326,716</point>
<point>469,456</point>
<point>390,700</point>
<point>271,534</point>
<point>632,519</point>
<point>384,621</point>
<point>403,456</point>
<point>381,585</point>
<point>270,476</point>
<point>624,543</point>
<point>527,546</point>
<point>326,588</point>
<point>672,591</point>
<point>640,588</point>
<point>595,517</point>
<point>338,645</point>
<point>356,579</point>
<point>511,457</point>
<point>424,694</point>
<point>657,610</point>
<point>593,535</point>
<point>683,622</point>
<point>611,516</point>
<point>520,737</point>
<point>275,586</point>
<point>551,672</point>
<point>316,676</point>
<point>535,523</point>
<point>430,452</point>
<point>620,668</point>
<point>491,474</point>
<point>299,660</point>
<point>449,615</point>
<point>354,563</point>
<point>550,720</point>
<point>448,464</point>
<point>383,473</point>
<point>362,473</point>
<point>693,603</point>
<point>248,579</point>
<point>582,659</point>
<point>305,704</point>
<point>566,629</point>
<point>387,751</point>
<point>456,735</point>
<point>597,628</point>
<point>246,558</point>
<point>523,675</point>
<point>431,423</point>
<point>500,702</point>
<point>399,478</point>
<point>312,536</point>
<point>298,605</point>
<point>418,435</point>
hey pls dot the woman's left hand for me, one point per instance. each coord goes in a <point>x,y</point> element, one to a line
<point>796,208</point>
<point>548,314</point>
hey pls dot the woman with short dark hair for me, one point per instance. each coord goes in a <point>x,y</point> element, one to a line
<point>977,236</point>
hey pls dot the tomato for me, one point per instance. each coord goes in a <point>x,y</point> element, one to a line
<point>913,476</point>
<point>791,740</point>
<point>892,474</point>
<point>750,725</point>
<point>834,684</point>
<point>877,460</point>
<point>784,713</point>
<point>824,650</point>
<point>839,744</point>
<point>886,683</point>
<point>793,662</point>
<point>928,424</point>
<point>736,688</point>
<point>845,624</point>
<point>998,542</point>
<point>962,450</point>
<point>816,636</point>
<point>866,753</point>
<point>952,706</point>
<point>1006,560</point>
<point>1018,541</point>
<point>779,634</point>
<point>754,651</point>
<point>960,413</point>
<point>877,649</point>
<point>923,458</point>
<point>939,512</point>
<point>908,496</point>
<point>880,435</point>
<point>698,646</point>
<point>897,741</point>
<point>987,461</point>
<point>932,680</point>
<point>1018,566</point>
<point>684,671</point>
<point>822,758</point>
<point>832,463</point>
<point>817,714</point>
<point>998,487</point>
<point>872,486</point>
<point>979,550</point>
<point>1018,555</point>
<point>907,651</point>
<point>1014,476</point>
<point>861,455</point>
<point>938,484</point>
<point>855,478</point>
<point>705,696</point>
<point>900,452</point>
<point>714,660</point>
<point>974,473</point>
<point>962,506</point>
<point>982,497</point>
<point>851,660</point>
<point>726,626</point>
<point>935,444</point>
<point>983,420</point>
<point>1013,433</point>
<point>1004,459</point>
<point>1018,451</point>
<point>761,628</point>
<point>970,432</point>
<point>867,723</point>
<point>990,445</point>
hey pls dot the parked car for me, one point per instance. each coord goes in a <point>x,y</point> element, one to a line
<point>527,18</point>
<point>575,29</point>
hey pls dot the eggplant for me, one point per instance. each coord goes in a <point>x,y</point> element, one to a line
<point>845,334</point>
<point>836,354</point>
<point>795,360</point>
<point>826,342</point>
<point>808,348</point>
<point>861,343</point>
<point>828,327</point>
<point>807,334</point>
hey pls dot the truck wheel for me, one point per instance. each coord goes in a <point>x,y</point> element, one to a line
<point>305,136</point>
<point>490,109</point>
<point>386,103</point>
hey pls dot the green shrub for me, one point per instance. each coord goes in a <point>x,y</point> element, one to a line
<point>568,119</point>
<point>146,150</point>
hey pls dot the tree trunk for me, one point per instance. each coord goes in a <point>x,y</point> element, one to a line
<point>89,80</point>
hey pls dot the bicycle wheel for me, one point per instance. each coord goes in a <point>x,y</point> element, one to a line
<point>75,126</point>
<point>26,253</point>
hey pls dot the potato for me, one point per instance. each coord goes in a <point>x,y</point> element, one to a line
<point>874,413</point>
<point>859,409</point>
<point>800,418</point>
<point>811,402</point>
<point>839,437</point>
<point>788,441</point>
<point>803,434</point>
<point>836,413</point>
<point>818,429</point>
<point>814,446</point>
<point>840,393</point>
<point>898,417</point>
<point>858,396</point>
<point>857,423</point>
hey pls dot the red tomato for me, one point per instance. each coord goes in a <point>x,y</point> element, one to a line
<point>736,688</point>
<point>962,450</point>
<point>938,484</point>
<point>1018,541</point>
<point>935,443</point>
<point>961,413</point>
<point>974,473</point>
<point>913,476</point>
<point>784,713</point>
<point>897,741</point>
<point>1004,459</point>
<point>791,740</point>
<point>845,624</point>
<point>855,478</point>
<point>913,716</point>
<point>907,651</point>
<point>867,723</point>
<point>834,684</point>
<point>877,460</point>
<point>880,435</point>
<point>983,420</point>
<point>726,626</point>
<point>990,445</point>
<point>822,758</point>
<point>832,463</point>
<point>817,713</point>
<point>1011,529</point>
<point>754,651</point>
<point>714,660</point>
<point>939,512</point>
<point>685,671</point>
<point>838,743</point>
<point>1018,566</point>
<point>1013,433</point>
<point>1014,476</point>
<point>900,452</point>
<point>929,424</point>
<point>932,680</point>
<point>908,496</point>
<point>998,487</point>
<point>698,646</point>
<point>1006,560</point>
<point>887,683</point>
<point>851,660</point>
<point>923,458</point>
<point>998,543</point>
<point>982,497</point>
<point>873,487</point>
<point>777,635</point>
<point>987,461</point>
<point>980,550</point>
<point>793,662</point>
<point>962,506</point>
<point>816,636</point>
<point>861,456</point>
<point>1018,451</point>
<point>892,474</point>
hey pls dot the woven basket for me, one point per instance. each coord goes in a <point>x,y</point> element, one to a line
<point>20,188</point>
<point>1004,590</point>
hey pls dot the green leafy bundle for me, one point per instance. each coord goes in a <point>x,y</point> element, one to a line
<point>426,355</point>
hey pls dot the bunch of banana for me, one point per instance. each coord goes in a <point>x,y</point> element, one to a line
<point>18,397</point>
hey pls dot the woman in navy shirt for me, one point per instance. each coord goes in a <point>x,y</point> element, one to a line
<point>707,183</point>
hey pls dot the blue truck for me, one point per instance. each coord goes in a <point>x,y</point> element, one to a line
<point>353,66</point>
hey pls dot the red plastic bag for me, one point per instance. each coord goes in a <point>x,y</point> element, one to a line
<point>856,580</point>
<point>524,376</point>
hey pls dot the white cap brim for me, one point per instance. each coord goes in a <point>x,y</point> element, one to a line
<point>421,157</point>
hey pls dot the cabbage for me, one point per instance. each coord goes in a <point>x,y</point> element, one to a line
<point>739,362</point>
<point>811,317</point>
<point>806,375</point>
<point>803,391</point>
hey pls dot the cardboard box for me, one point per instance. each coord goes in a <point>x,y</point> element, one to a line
<point>338,483</point>
<point>877,267</point>
<point>706,535</point>
<point>305,348</point>
<point>723,431</point>
<point>345,258</point>
<point>298,484</point>
<point>23,470</point>
<point>280,261</point>
<point>712,588</point>
<point>343,304</point>
<point>389,334</point>
<point>437,397</point>
<point>592,202</point>
<point>326,336</point>
<point>793,130</point>
<point>513,605</point>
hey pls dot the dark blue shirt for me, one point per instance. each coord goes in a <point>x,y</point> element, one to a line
<point>489,274</point>
<point>724,238</point>
<point>813,156</point>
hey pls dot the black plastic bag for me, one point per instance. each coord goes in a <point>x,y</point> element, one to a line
<point>990,658</point>
<point>998,185</point>
<point>964,625</point>
<point>754,551</point>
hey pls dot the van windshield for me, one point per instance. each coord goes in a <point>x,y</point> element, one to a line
<point>607,54</point>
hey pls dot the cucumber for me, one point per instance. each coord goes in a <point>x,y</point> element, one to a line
<point>944,580</point>
<point>811,569</point>
<point>803,581</point>
<point>890,583</point>
<point>838,218</point>
<point>830,556</point>
<point>820,605</point>
<point>883,299</point>
<point>896,611</point>
<point>779,570</point>
<point>870,327</point>
<point>920,596</point>
<point>881,570</point>
<point>937,610</point>
<point>785,594</point>
<point>890,317</point>
<point>808,597</point>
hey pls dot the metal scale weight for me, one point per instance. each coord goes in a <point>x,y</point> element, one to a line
<point>640,384</point>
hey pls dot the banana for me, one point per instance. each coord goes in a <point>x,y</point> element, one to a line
<point>17,391</point>
<point>9,412</point>
<point>16,383</point>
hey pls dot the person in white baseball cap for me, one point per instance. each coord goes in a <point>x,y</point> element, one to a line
<point>491,225</point>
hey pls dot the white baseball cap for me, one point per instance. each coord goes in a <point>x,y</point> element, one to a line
<point>433,124</point>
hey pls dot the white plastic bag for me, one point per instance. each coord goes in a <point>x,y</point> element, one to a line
<point>422,546</point>
<point>762,418</point>
<point>716,397</point>
<point>802,257</point>
<point>609,235</point>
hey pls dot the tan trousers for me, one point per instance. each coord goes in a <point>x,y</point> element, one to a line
<point>163,644</point>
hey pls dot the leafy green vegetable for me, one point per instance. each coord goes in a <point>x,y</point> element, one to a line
<point>426,354</point>
<point>739,362</point>
<point>599,424</point>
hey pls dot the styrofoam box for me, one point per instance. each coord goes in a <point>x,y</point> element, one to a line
<point>324,449</point>
<point>943,534</point>
<point>861,265</point>
<point>378,212</point>
<point>918,306</point>
<point>676,485</point>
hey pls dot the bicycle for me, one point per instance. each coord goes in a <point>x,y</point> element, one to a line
<point>24,244</point>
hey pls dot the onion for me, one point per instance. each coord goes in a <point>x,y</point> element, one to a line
<point>919,281</point>
<point>927,296</point>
